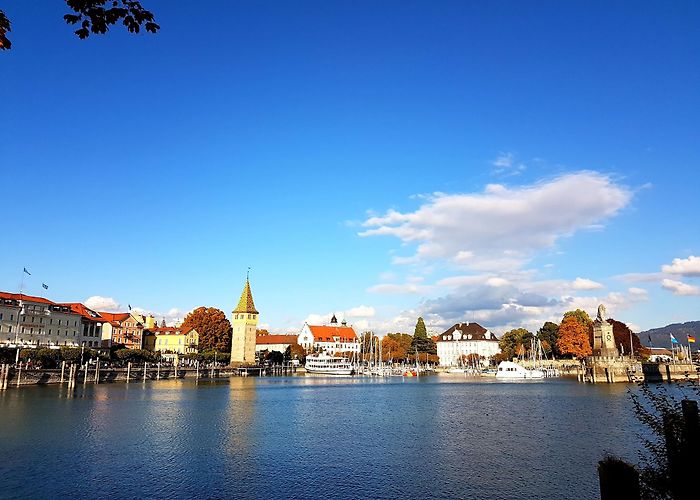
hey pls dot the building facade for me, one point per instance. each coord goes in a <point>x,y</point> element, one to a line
<point>123,328</point>
<point>270,343</point>
<point>329,338</point>
<point>171,340</point>
<point>244,322</point>
<point>464,339</point>
<point>29,321</point>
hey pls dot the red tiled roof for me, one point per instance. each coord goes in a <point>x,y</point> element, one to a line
<point>114,316</point>
<point>85,312</point>
<point>275,339</point>
<point>326,333</point>
<point>29,298</point>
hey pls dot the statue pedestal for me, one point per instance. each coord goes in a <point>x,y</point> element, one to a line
<point>604,340</point>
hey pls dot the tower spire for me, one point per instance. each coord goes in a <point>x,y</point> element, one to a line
<point>246,304</point>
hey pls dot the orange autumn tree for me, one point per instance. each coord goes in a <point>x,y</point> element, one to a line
<point>213,327</point>
<point>573,338</point>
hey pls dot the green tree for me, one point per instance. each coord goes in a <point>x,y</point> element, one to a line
<point>423,345</point>
<point>96,16</point>
<point>581,316</point>
<point>515,342</point>
<point>47,358</point>
<point>420,330</point>
<point>548,335</point>
<point>213,327</point>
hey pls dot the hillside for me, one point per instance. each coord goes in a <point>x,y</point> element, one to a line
<point>660,337</point>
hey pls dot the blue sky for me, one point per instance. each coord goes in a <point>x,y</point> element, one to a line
<point>380,160</point>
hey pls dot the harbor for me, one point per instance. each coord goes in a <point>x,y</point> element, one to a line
<point>230,436</point>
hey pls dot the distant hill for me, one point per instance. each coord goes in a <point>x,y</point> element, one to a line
<point>660,337</point>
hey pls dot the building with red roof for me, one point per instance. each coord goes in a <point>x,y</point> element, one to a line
<point>330,338</point>
<point>30,321</point>
<point>270,343</point>
<point>123,328</point>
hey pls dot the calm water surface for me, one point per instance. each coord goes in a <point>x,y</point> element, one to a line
<point>313,437</point>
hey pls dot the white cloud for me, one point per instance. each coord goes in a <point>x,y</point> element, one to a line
<point>639,292</point>
<point>680,288</point>
<point>585,284</point>
<point>505,164</point>
<point>504,160</point>
<point>99,303</point>
<point>172,317</point>
<point>501,227</point>
<point>640,277</point>
<point>360,312</point>
<point>689,267</point>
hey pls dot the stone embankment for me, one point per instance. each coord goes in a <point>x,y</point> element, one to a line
<point>597,369</point>
<point>11,376</point>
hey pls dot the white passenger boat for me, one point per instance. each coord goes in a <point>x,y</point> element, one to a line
<point>513,371</point>
<point>328,365</point>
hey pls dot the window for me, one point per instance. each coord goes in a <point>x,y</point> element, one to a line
<point>41,320</point>
<point>12,317</point>
<point>24,318</point>
<point>0,316</point>
<point>9,329</point>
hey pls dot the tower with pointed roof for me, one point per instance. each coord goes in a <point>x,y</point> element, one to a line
<point>244,323</point>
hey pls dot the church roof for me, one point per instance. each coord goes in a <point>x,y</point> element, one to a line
<point>246,305</point>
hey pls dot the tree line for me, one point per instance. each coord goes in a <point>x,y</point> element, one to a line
<point>572,338</point>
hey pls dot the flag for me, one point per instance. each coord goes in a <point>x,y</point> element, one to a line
<point>673,339</point>
<point>650,342</point>
<point>129,307</point>
<point>691,338</point>
<point>46,287</point>
<point>25,270</point>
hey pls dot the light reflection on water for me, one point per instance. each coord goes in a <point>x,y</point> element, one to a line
<point>312,437</point>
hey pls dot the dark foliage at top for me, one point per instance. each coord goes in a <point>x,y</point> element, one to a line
<point>96,16</point>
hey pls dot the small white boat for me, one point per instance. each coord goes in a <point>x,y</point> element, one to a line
<point>328,365</point>
<point>513,371</point>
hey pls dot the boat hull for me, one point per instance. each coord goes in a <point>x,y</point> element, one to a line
<point>329,371</point>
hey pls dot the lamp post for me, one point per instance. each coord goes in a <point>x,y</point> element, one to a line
<point>82,351</point>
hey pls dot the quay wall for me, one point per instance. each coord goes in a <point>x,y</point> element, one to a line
<point>14,377</point>
<point>614,370</point>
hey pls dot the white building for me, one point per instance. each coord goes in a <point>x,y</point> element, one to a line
<point>29,321</point>
<point>464,339</point>
<point>329,338</point>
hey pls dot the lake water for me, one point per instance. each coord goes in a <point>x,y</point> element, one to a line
<point>313,437</point>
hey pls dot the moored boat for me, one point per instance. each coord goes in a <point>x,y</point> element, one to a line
<point>510,370</point>
<point>325,364</point>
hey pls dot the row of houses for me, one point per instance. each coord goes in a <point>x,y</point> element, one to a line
<point>453,345</point>
<point>29,321</point>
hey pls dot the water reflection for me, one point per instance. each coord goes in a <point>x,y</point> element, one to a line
<point>306,436</point>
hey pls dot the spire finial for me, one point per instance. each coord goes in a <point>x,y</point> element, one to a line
<point>247,275</point>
